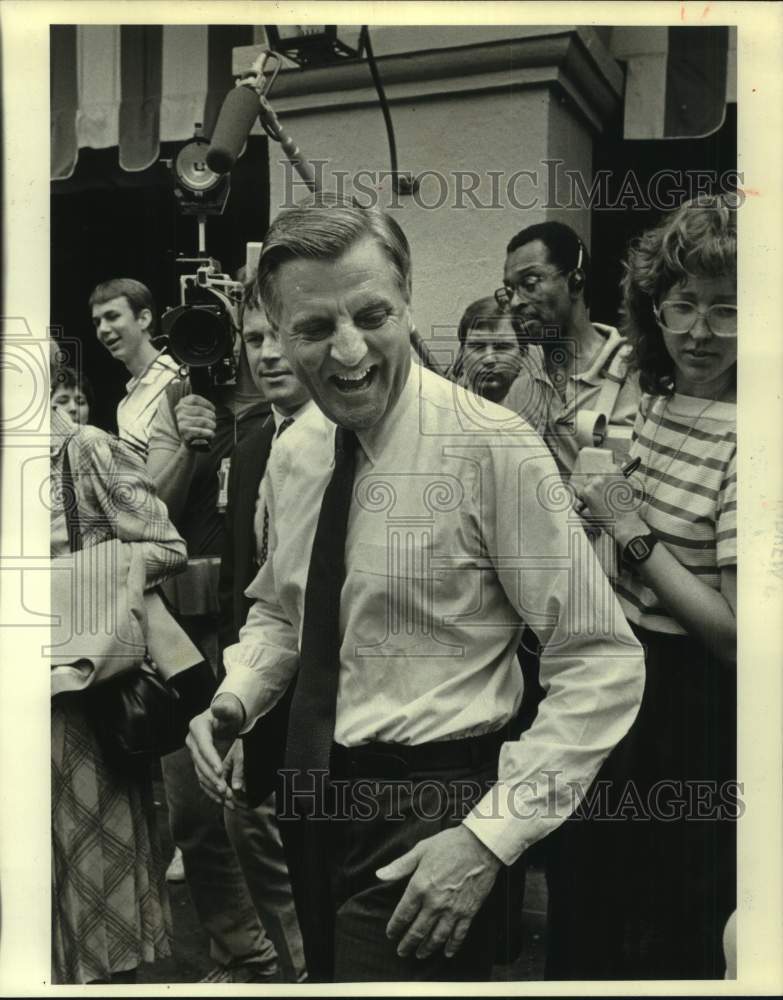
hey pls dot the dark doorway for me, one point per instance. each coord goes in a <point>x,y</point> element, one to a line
<point>107,223</point>
<point>667,171</point>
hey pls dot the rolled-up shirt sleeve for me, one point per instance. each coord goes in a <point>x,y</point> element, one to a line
<point>591,667</point>
<point>164,436</point>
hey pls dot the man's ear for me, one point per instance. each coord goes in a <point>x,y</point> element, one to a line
<point>144,318</point>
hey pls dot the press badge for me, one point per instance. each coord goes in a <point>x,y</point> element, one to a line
<point>222,497</point>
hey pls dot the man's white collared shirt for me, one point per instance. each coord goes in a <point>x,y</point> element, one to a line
<point>458,535</point>
<point>137,409</point>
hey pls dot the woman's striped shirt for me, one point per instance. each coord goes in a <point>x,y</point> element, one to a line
<point>687,488</point>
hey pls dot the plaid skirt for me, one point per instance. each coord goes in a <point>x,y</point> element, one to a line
<point>110,909</point>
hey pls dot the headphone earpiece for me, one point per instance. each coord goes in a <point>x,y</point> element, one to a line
<point>577,281</point>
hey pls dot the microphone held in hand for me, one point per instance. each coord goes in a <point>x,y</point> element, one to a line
<point>236,118</point>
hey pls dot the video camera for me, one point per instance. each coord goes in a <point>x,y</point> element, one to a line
<point>203,330</point>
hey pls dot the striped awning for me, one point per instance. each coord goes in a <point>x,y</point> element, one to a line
<point>135,86</point>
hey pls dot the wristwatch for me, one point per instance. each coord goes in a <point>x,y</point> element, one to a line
<point>636,550</point>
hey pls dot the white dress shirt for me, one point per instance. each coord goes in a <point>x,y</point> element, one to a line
<point>459,531</point>
<point>258,519</point>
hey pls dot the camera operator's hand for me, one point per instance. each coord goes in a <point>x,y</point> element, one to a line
<point>196,420</point>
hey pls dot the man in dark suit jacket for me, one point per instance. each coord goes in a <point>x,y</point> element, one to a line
<point>239,563</point>
<point>246,525</point>
<point>254,759</point>
<point>263,746</point>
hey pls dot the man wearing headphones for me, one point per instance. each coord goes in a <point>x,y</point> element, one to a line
<point>582,395</point>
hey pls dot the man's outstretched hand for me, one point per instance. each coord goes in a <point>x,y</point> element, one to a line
<point>221,721</point>
<point>451,874</point>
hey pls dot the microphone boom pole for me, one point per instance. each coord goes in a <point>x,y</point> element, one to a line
<point>274,130</point>
<point>242,106</point>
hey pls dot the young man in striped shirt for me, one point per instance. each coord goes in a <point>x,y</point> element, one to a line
<point>123,314</point>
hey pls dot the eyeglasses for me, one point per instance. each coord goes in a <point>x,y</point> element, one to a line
<point>528,285</point>
<point>529,282</point>
<point>678,317</point>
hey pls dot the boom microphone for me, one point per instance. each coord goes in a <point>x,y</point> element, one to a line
<point>236,118</point>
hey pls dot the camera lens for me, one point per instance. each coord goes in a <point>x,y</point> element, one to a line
<point>199,335</point>
<point>203,332</point>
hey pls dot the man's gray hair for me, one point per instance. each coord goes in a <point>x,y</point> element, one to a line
<point>324,228</point>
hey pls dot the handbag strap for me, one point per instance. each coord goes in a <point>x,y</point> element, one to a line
<point>71,505</point>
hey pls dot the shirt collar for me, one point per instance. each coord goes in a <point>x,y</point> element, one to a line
<point>374,439</point>
<point>150,373</point>
<point>592,374</point>
<point>279,417</point>
<point>61,430</point>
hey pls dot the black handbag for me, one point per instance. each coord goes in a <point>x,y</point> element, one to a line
<point>138,716</point>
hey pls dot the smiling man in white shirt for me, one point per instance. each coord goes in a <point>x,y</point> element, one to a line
<point>417,540</point>
<point>123,314</point>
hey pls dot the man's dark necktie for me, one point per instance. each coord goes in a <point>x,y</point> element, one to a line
<point>284,425</point>
<point>311,722</point>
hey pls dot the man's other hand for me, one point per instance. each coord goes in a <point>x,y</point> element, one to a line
<point>451,874</point>
<point>222,720</point>
<point>196,419</point>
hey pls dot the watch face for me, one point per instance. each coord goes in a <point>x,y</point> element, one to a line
<point>638,548</point>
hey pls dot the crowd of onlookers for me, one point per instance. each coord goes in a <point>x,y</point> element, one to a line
<point>639,426</point>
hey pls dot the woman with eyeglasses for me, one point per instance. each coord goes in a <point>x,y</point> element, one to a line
<point>660,880</point>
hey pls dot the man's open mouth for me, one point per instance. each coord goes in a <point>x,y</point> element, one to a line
<point>356,381</point>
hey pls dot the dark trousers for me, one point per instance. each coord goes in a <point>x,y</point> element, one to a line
<point>643,879</point>
<point>344,908</point>
<point>215,880</point>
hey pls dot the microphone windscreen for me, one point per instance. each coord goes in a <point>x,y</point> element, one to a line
<point>236,118</point>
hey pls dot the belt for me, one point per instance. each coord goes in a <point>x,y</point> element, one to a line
<point>397,761</point>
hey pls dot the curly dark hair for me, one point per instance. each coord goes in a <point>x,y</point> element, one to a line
<point>566,251</point>
<point>65,377</point>
<point>697,239</point>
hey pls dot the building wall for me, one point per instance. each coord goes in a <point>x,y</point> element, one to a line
<point>457,245</point>
<point>572,148</point>
<point>473,126</point>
